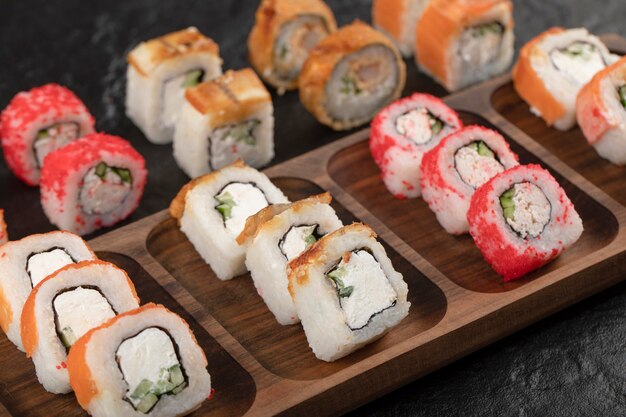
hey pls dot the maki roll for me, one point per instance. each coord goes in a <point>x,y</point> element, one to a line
<point>63,307</point>
<point>4,235</point>
<point>553,67</point>
<point>601,112</point>
<point>283,34</point>
<point>25,263</point>
<point>400,135</point>
<point>463,42</point>
<point>346,292</point>
<point>212,211</point>
<point>277,235</point>
<point>398,19</point>
<point>229,118</point>
<point>460,164</point>
<point>37,122</point>
<point>159,72</point>
<point>92,183</point>
<point>351,75</point>
<point>521,220</point>
<point>142,362</point>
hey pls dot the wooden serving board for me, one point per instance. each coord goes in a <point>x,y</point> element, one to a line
<point>459,304</point>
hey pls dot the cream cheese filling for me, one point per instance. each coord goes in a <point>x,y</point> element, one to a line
<point>238,201</point>
<point>296,240</point>
<point>40,265</point>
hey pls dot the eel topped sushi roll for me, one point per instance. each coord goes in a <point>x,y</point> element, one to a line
<point>398,19</point>
<point>346,292</point>
<point>553,67</point>
<point>601,112</point>
<point>92,183</point>
<point>37,122</point>
<point>228,118</point>
<point>212,211</point>
<point>145,362</point>
<point>522,219</point>
<point>283,34</point>
<point>274,239</point>
<point>400,135</point>
<point>4,235</point>
<point>25,263</point>
<point>63,307</point>
<point>159,72</point>
<point>461,163</point>
<point>463,42</point>
<point>350,75</point>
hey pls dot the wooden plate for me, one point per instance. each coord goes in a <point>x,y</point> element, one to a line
<point>459,304</point>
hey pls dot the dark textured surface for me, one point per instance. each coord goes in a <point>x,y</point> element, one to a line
<point>571,364</point>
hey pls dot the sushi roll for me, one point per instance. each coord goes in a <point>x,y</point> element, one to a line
<point>400,135</point>
<point>159,72</point>
<point>350,75</point>
<point>460,164</point>
<point>346,292</point>
<point>4,235</point>
<point>280,237</point>
<point>521,220</point>
<point>92,183</point>
<point>63,307</point>
<point>229,118</point>
<point>25,263</point>
<point>553,67</point>
<point>212,211</point>
<point>601,112</point>
<point>283,34</point>
<point>398,19</point>
<point>37,122</point>
<point>145,362</point>
<point>464,42</point>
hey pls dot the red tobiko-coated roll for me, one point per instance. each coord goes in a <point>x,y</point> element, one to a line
<point>36,123</point>
<point>94,182</point>
<point>521,220</point>
<point>402,132</point>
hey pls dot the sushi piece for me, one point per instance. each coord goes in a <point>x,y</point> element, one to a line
<point>92,183</point>
<point>460,164</point>
<point>25,263</point>
<point>277,235</point>
<point>63,307</point>
<point>229,118</point>
<point>4,235</point>
<point>521,220</point>
<point>601,112</point>
<point>464,42</point>
<point>142,362</point>
<point>400,135</point>
<point>553,67</point>
<point>346,291</point>
<point>350,75</point>
<point>398,19</point>
<point>159,72</point>
<point>212,211</point>
<point>37,122</point>
<point>283,34</point>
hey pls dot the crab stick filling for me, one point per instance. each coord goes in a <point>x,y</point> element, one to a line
<point>480,45</point>
<point>40,265</point>
<point>526,209</point>
<point>419,125</point>
<point>104,188</point>
<point>236,202</point>
<point>54,137</point>
<point>235,139</point>
<point>476,163</point>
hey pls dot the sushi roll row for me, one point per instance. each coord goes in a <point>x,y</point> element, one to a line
<point>78,318</point>
<point>304,263</point>
<point>518,229</point>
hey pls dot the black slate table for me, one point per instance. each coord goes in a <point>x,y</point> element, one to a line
<point>573,363</point>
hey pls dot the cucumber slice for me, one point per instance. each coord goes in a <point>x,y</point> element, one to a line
<point>146,403</point>
<point>162,387</point>
<point>484,150</point>
<point>42,134</point>
<point>310,239</point>
<point>193,78</point>
<point>176,375</point>
<point>509,212</point>
<point>226,205</point>
<point>507,203</point>
<point>336,276</point>
<point>124,174</point>
<point>143,389</point>
<point>101,170</point>
<point>622,95</point>
<point>67,336</point>
<point>179,388</point>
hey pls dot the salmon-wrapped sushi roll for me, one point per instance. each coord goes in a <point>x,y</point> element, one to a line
<point>601,112</point>
<point>553,67</point>
<point>37,122</point>
<point>284,33</point>
<point>461,163</point>
<point>402,132</point>
<point>351,75</point>
<point>463,42</point>
<point>92,183</point>
<point>4,235</point>
<point>522,219</point>
<point>398,19</point>
<point>65,306</point>
<point>145,362</point>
